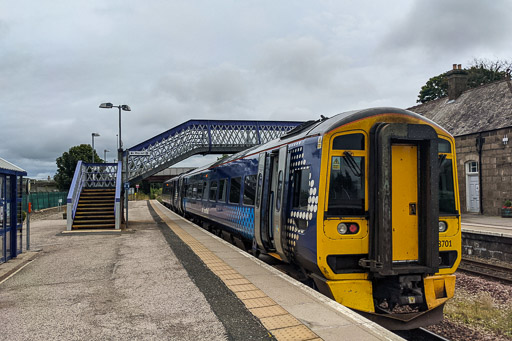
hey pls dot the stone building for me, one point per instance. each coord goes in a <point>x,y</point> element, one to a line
<point>480,119</point>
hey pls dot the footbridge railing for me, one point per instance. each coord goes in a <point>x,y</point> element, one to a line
<point>199,137</point>
<point>94,175</point>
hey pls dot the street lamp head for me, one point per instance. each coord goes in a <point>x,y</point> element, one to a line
<point>95,134</point>
<point>107,151</point>
<point>106,105</point>
<point>126,107</point>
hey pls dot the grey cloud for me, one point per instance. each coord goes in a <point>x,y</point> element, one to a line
<point>303,61</point>
<point>437,28</point>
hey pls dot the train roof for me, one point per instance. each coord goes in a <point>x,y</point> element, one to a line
<point>317,128</point>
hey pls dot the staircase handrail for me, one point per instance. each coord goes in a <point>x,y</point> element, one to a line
<point>74,193</point>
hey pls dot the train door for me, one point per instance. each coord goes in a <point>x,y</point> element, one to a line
<point>269,200</point>
<point>404,198</point>
<point>264,211</point>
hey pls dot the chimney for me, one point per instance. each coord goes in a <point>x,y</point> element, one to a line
<point>457,79</point>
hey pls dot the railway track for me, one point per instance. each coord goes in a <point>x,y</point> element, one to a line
<point>489,270</point>
<point>420,334</point>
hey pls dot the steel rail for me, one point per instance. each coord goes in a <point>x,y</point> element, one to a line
<point>489,270</point>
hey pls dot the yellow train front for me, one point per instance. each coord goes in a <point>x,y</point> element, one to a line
<point>388,233</point>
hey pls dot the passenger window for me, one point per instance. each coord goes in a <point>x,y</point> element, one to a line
<point>199,193</point>
<point>223,186</point>
<point>249,190</point>
<point>301,189</point>
<point>213,190</point>
<point>205,190</point>
<point>234,190</point>
<point>349,142</point>
<point>346,188</point>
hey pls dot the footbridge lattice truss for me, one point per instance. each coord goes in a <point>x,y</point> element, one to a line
<point>199,137</point>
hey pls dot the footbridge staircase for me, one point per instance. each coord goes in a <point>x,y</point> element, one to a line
<point>153,155</point>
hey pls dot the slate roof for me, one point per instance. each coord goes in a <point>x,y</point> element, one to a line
<point>485,108</point>
<point>9,166</point>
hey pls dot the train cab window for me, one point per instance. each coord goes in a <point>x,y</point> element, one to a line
<point>446,186</point>
<point>223,186</point>
<point>443,146</point>
<point>301,189</point>
<point>234,190</point>
<point>346,188</point>
<point>348,142</point>
<point>249,189</point>
<point>213,190</point>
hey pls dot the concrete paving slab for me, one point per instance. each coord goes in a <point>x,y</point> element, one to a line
<point>97,287</point>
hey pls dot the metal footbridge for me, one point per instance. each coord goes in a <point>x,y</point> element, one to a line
<point>199,137</point>
<point>158,153</point>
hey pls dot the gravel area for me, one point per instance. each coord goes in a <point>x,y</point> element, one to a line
<point>473,288</point>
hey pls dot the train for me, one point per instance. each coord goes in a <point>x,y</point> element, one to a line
<point>365,204</point>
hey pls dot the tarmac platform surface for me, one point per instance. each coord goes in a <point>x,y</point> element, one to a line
<point>162,278</point>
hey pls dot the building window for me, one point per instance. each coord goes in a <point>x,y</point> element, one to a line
<point>472,167</point>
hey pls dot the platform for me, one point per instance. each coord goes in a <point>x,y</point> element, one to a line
<point>163,278</point>
<point>488,225</point>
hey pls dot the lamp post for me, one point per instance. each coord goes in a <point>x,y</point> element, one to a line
<point>105,155</point>
<point>93,136</point>
<point>121,107</point>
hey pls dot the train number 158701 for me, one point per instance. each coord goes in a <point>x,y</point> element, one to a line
<point>445,243</point>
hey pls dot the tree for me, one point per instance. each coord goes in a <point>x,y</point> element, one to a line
<point>481,71</point>
<point>66,164</point>
<point>224,156</point>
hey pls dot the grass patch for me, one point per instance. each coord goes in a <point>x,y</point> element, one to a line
<point>480,310</point>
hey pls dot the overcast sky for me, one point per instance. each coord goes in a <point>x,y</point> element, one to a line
<point>172,61</point>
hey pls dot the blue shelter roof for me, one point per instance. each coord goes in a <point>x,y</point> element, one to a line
<point>7,167</point>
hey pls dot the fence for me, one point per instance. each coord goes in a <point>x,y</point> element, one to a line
<point>41,200</point>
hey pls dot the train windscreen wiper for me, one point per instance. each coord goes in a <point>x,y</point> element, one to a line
<point>440,159</point>
<point>352,164</point>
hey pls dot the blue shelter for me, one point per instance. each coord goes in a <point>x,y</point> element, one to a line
<point>11,221</point>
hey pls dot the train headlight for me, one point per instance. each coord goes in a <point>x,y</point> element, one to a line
<point>342,228</point>
<point>348,228</point>
<point>442,226</point>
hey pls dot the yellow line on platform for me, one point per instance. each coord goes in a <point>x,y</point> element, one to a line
<point>273,317</point>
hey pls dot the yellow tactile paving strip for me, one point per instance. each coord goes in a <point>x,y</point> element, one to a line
<point>277,320</point>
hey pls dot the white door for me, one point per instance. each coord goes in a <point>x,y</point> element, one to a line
<point>474,193</point>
